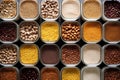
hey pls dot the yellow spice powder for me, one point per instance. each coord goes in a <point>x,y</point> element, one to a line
<point>49,31</point>
<point>70,74</point>
<point>29,54</point>
<point>91,9</point>
<point>92,31</point>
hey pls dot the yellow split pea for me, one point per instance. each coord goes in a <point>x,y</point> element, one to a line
<point>49,31</point>
<point>70,74</point>
<point>29,54</point>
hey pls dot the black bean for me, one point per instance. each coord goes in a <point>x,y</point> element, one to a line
<point>29,74</point>
<point>112,9</point>
<point>8,31</point>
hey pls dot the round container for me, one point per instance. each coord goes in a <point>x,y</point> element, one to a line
<point>17,54</point>
<point>17,11</point>
<point>26,22</point>
<point>48,45</point>
<point>103,16</point>
<point>93,74</point>
<point>87,26</point>
<point>91,19</point>
<point>15,33</point>
<point>70,73</point>
<point>49,19</point>
<point>12,68</point>
<point>32,1</point>
<point>50,75</point>
<point>89,47</point>
<point>29,64</point>
<point>71,22</point>
<point>70,64</point>
<point>115,30</point>
<point>70,2</point>
<point>110,77</point>
<point>103,49</point>
<point>30,67</point>
<point>46,22</point>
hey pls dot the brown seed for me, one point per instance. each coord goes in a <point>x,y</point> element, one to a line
<point>70,54</point>
<point>112,54</point>
<point>112,74</point>
<point>69,32</point>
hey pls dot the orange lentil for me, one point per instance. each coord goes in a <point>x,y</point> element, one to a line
<point>92,31</point>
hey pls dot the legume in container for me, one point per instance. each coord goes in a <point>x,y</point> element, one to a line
<point>111,73</point>
<point>49,32</point>
<point>111,54</point>
<point>111,10</point>
<point>8,54</point>
<point>55,26</point>
<point>70,31</point>
<point>27,73</point>
<point>9,9</point>
<point>71,73</point>
<point>29,31</point>
<point>29,54</point>
<point>70,54</point>
<point>50,10</point>
<point>8,32</point>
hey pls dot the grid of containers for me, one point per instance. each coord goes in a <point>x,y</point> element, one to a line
<point>51,41</point>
